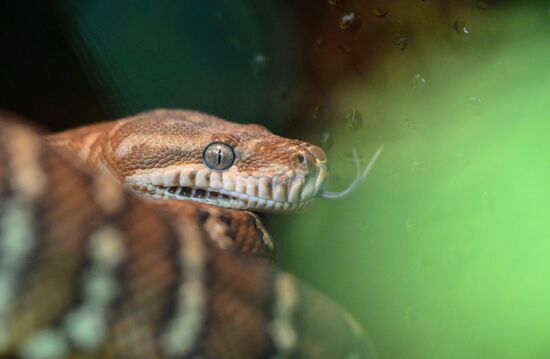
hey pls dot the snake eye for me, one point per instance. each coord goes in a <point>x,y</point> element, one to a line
<point>218,156</point>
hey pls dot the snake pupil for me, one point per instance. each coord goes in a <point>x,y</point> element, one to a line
<point>218,156</point>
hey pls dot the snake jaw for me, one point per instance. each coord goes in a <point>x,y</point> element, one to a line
<point>289,192</point>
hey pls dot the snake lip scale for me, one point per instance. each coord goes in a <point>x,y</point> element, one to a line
<point>223,199</point>
<point>277,194</point>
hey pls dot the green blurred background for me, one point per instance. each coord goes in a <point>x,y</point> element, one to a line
<point>443,252</point>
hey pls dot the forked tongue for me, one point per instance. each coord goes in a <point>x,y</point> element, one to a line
<point>359,177</point>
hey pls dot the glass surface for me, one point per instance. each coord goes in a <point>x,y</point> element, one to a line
<point>444,251</point>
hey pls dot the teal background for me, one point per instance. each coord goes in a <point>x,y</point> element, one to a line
<point>220,57</point>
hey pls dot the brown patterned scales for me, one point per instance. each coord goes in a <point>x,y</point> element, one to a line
<point>88,270</point>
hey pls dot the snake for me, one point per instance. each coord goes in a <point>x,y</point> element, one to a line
<point>137,238</point>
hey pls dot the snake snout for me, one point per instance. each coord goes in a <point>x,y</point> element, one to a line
<point>306,159</point>
<point>317,152</point>
<point>302,162</point>
<point>309,163</point>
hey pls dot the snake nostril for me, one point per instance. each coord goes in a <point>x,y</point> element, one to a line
<point>302,162</point>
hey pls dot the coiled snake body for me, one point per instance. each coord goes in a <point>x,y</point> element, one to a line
<point>90,270</point>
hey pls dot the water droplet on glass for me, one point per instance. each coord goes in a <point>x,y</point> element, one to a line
<point>260,59</point>
<point>353,120</point>
<point>402,42</point>
<point>482,5</point>
<point>476,100</point>
<point>411,316</point>
<point>234,42</point>
<point>409,225</point>
<point>395,173</point>
<point>326,140</point>
<point>380,11</point>
<point>419,83</point>
<point>336,4</point>
<point>320,41</point>
<point>350,22</point>
<point>477,105</point>
<point>460,28</point>
<point>489,202</point>
<point>413,124</point>
<point>319,112</point>
<point>284,92</point>
<point>345,49</point>
<point>424,262</point>
<point>260,62</point>
<point>417,166</point>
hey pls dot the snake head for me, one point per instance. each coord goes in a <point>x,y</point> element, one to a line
<point>185,155</point>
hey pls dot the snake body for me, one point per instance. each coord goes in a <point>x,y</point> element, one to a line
<point>89,270</point>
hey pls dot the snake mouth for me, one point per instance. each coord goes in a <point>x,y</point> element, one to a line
<point>222,198</point>
<point>280,193</point>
